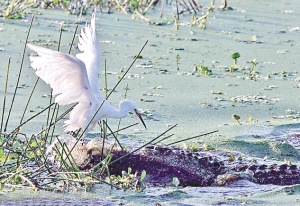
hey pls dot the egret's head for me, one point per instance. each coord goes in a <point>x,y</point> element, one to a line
<point>130,106</point>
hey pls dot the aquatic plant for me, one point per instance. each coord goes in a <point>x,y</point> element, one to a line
<point>138,8</point>
<point>175,182</point>
<point>200,69</point>
<point>234,56</point>
<point>177,61</point>
<point>202,20</point>
<point>129,181</point>
<point>207,147</point>
<point>253,72</point>
<point>175,22</point>
<point>15,8</point>
<point>236,118</point>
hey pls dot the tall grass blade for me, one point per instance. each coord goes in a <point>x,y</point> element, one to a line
<point>37,114</point>
<point>193,137</point>
<point>167,137</point>
<point>73,39</point>
<point>134,60</point>
<point>105,78</point>
<point>123,128</point>
<point>56,108</point>
<point>111,132</point>
<point>30,96</point>
<point>49,122</point>
<point>5,92</point>
<point>143,145</point>
<point>19,75</point>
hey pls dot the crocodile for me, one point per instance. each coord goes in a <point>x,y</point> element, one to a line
<point>192,168</point>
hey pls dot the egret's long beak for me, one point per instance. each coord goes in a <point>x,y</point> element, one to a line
<point>139,116</point>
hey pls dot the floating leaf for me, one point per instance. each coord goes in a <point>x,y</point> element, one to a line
<point>185,146</point>
<point>34,144</point>
<point>250,117</point>
<point>1,153</point>
<point>175,181</point>
<point>207,147</point>
<point>217,92</point>
<point>231,157</point>
<point>139,186</point>
<point>138,57</point>
<point>232,68</point>
<point>288,162</point>
<point>236,117</point>
<point>194,147</point>
<point>143,175</point>
<point>235,55</point>
<point>240,157</point>
<point>129,170</point>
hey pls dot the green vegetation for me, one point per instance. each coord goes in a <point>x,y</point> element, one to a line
<point>175,181</point>
<point>202,21</point>
<point>240,71</point>
<point>177,61</point>
<point>129,181</point>
<point>252,71</point>
<point>16,9</point>
<point>200,69</point>
<point>234,56</point>
<point>236,118</point>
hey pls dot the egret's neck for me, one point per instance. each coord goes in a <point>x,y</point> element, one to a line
<point>116,113</point>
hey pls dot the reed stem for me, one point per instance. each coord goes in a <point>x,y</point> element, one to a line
<point>19,75</point>
<point>193,137</point>
<point>142,145</point>
<point>4,95</point>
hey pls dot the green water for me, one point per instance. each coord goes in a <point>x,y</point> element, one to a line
<point>267,31</point>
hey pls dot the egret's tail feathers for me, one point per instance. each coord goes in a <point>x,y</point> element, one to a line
<point>69,127</point>
<point>77,117</point>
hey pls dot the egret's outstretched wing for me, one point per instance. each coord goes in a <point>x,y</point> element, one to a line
<point>67,76</point>
<point>90,54</point>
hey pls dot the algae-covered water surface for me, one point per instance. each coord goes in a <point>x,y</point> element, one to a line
<point>183,77</point>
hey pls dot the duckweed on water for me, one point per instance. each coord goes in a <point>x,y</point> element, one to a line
<point>16,9</point>
<point>261,148</point>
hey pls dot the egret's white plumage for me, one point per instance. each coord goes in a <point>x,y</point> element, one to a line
<point>91,54</point>
<point>76,80</point>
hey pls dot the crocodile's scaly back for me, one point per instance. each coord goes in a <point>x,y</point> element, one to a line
<point>277,174</point>
<point>192,168</point>
<point>164,163</point>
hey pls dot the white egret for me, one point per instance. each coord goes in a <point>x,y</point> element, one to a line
<point>75,80</point>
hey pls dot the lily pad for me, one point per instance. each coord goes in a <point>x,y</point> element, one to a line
<point>235,55</point>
